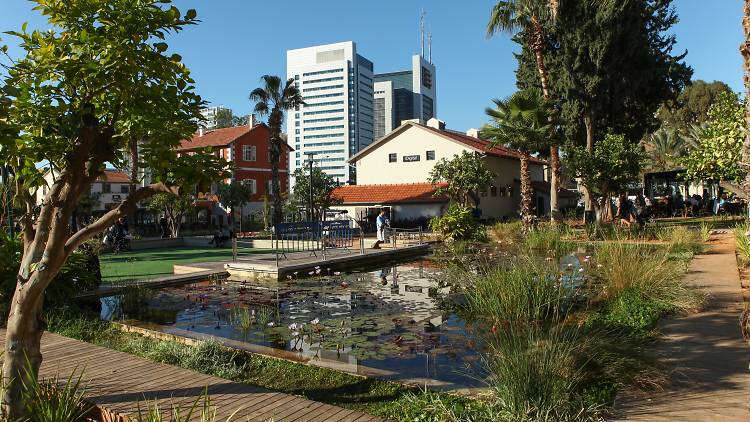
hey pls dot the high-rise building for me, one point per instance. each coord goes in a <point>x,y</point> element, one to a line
<point>337,118</point>
<point>405,95</point>
<point>211,117</point>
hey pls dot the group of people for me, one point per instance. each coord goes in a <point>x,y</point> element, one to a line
<point>118,236</point>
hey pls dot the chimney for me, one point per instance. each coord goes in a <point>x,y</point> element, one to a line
<point>251,120</point>
<point>435,123</point>
<point>473,132</point>
<point>200,130</point>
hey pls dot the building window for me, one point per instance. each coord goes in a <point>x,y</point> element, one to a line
<point>106,188</point>
<point>250,183</point>
<point>493,190</point>
<point>296,131</point>
<point>124,188</point>
<point>248,152</point>
<point>430,155</point>
<point>392,158</point>
<point>269,186</point>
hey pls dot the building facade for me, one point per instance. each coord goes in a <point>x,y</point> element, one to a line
<point>405,95</point>
<point>337,119</point>
<point>404,158</point>
<point>210,116</point>
<point>247,149</point>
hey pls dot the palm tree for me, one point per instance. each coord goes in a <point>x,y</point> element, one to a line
<point>745,51</point>
<point>273,99</point>
<point>530,16</point>
<point>664,147</point>
<point>521,122</point>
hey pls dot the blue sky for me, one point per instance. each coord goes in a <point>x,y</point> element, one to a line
<point>240,40</point>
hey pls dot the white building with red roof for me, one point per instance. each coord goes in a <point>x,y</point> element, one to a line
<point>394,171</point>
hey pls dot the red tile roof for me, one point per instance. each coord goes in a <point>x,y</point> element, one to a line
<point>215,138</point>
<point>481,144</point>
<point>219,137</point>
<point>387,194</point>
<point>114,176</point>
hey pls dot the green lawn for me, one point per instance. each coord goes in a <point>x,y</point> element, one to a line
<point>155,263</point>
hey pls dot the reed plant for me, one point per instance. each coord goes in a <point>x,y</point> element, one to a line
<point>547,239</point>
<point>200,410</point>
<point>705,230</point>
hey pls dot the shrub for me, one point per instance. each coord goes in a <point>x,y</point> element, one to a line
<point>458,223</point>
<point>706,227</point>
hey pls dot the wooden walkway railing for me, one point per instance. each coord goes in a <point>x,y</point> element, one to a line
<point>118,383</point>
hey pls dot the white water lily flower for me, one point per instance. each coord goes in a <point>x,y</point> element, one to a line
<point>295,334</point>
<point>315,321</point>
<point>337,273</point>
<point>293,326</point>
<point>580,270</point>
<point>270,324</point>
<point>570,265</point>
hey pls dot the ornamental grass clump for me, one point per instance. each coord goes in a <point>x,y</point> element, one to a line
<point>743,243</point>
<point>644,274</point>
<point>55,400</point>
<point>683,240</point>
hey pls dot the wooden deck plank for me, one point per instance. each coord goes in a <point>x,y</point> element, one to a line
<point>121,382</point>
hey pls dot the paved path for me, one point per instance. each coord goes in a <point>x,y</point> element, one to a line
<point>710,380</point>
<point>119,382</point>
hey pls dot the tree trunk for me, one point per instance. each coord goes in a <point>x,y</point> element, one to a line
<point>745,51</point>
<point>587,196</point>
<point>23,355</point>
<point>537,43</point>
<point>274,123</point>
<point>526,193</point>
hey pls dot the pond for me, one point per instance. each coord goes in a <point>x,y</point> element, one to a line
<point>389,323</point>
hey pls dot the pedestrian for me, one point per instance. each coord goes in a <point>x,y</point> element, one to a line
<point>381,223</point>
<point>624,210</point>
<point>163,226</point>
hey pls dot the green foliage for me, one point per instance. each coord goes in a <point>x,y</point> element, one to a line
<point>611,60</point>
<point>706,228</point>
<point>201,409</point>
<point>664,148</point>
<point>743,243</point>
<point>521,122</point>
<point>458,223</point>
<point>614,162</point>
<point>234,195</point>
<point>719,147</point>
<point>79,274</point>
<point>547,239</point>
<point>323,186</point>
<point>632,310</point>
<point>54,400</point>
<point>461,178</point>
<point>173,207</point>
<point>644,271</point>
<point>224,118</point>
<point>684,240</point>
<point>692,106</point>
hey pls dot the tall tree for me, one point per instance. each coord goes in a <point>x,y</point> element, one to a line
<point>614,64</point>
<point>273,99</point>
<point>743,187</point>
<point>461,178</point>
<point>532,18</point>
<point>691,106</point>
<point>234,195</point>
<point>521,122</point>
<point>173,207</point>
<point>79,93</point>
<point>614,163</point>
<point>323,186</point>
<point>224,118</point>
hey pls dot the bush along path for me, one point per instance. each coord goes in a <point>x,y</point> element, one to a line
<point>708,359</point>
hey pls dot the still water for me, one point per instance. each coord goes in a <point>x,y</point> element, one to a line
<point>387,323</point>
<point>391,323</point>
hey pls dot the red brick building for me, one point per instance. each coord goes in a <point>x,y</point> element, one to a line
<point>247,149</point>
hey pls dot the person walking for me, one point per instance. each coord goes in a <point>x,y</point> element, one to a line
<point>381,223</point>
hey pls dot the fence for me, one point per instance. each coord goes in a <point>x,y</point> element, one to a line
<point>394,235</point>
<point>308,236</point>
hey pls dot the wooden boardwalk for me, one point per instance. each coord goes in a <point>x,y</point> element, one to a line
<point>119,382</point>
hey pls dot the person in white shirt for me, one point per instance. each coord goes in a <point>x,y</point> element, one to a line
<point>381,224</point>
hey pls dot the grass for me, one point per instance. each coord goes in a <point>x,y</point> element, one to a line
<point>155,263</point>
<point>381,398</point>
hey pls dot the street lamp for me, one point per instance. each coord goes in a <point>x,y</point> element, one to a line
<point>310,156</point>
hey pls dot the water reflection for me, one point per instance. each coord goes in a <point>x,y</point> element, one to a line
<point>386,322</point>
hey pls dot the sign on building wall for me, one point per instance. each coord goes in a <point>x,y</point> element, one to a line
<point>411,158</point>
